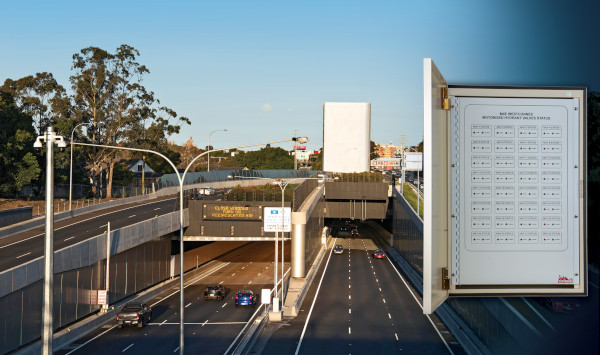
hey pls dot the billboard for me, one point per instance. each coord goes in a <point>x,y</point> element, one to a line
<point>346,136</point>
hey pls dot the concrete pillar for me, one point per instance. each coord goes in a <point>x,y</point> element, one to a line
<point>298,250</point>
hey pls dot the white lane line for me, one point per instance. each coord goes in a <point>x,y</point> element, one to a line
<point>69,238</point>
<point>72,224</point>
<point>349,331</point>
<point>384,300</point>
<point>349,286</point>
<point>176,350</point>
<point>94,338</point>
<point>224,304</point>
<point>102,226</point>
<point>243,268</point>
<point>389,316</point>
<point>380,289</point>
<point>23,255</point>
<point>349,311</point>
<point>254,314</point>
<point>313,303</point>
<point>521,317</point>
<point>163,322</point>
<point>593,284</point>
<point>132,216</point>
<point>171,294</point>
<point>156,209</point>
<point>538,314</point>
<point>221,282</point>
<point>249,282</point>
<point>202,324</point>
<point>420,305</point>
<point>206,321</point>
<point>187,305</point>
<point>396,334</point>
<point>349,297</point>
<point>124,350</point>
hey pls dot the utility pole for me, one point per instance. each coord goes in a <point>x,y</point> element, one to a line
<point>295,151</point>
<point>403,164</point>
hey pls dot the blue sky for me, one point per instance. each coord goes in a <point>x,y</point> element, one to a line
<point>221,62</point>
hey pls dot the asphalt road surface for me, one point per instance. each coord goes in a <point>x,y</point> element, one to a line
<point>362,307</point>
<point>211,326</point>
<point>23,247</point>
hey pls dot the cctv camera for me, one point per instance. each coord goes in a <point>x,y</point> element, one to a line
<point>37,146</point>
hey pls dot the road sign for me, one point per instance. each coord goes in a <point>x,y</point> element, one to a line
<point>414,161</point>
<point>102,297</point>
<point>265,296</point>
<point>272,220</point>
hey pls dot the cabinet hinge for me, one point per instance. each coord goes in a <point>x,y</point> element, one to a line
<point>445,279</point>
<point>445,99</point>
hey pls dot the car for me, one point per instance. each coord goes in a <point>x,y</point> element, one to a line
<point>379,254</point>
<point>214,292</point>
<point>206,190</point>
<point>338,249</point>
<point>134,314</point>
<point>245,298</point>
<point>354,232</point>
<point>559,304</point>
<point>196,196</point>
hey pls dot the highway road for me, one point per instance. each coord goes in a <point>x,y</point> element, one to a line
<point>211,326</point>
<point>23,247</point>
<point>360,306</point>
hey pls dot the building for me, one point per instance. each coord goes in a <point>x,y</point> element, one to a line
<point>346,137</point>
<point>389,150</point>
<point>386,163</point>
<point>137,166</point>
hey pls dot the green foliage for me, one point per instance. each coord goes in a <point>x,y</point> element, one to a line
<point>266,158</point>
<point>411,197</point>
<point>122,176</point>
<point>17,163</point>
<point>159,164</point>
<point>267,192</point>
<point>318,163</point>
<point>374,151</point>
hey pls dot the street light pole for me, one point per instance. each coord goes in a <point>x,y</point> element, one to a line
<point>47,307</point>
<point>209,147</point>
<point>71,165</point>
<point>181,183</point>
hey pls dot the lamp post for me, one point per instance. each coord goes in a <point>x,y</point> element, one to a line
<point>209,147</point>
<point>47,307</point>
<point>71,165</point>
<point>181,179</point>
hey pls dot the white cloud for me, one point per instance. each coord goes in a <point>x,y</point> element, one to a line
<point>266,107</point>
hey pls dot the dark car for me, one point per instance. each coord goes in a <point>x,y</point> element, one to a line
<point>214,292</point>
<point>354,232</point>
<point>379,254</point>
<point>196,196</point>
<point>134,314</point>
<point>338,249</point>
<point>559,304</point>
<point>245,298</point>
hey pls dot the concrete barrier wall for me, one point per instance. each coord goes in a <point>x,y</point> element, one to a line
<point>90,251</point>
<point>307,228</point>
<point>15,215</point>
<point>75,291</point>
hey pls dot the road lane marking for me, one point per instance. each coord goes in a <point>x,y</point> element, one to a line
<point>420,305</point>
<point>124,350</point>
<point>349,286</point>
<point>349,311</point>
<point>539,315</point>
<point>23,255</point>
<point>349,331</point>
<point>593,284</point>
<point>132,216</point>
<point>521,317</point>
<point>249,282</point>
<point>163,322</point>
<point>389,316</point>
<point>313,303</point>
<point>72,224</point>
<point>102,226</point>
<point>187,305</point>
<point>384,300</point>
<point>203,324</point>
<point>380,289</point>
<point>225,304</point>
<point>221,282</point>
<point>349,297</point>
<point>94,338</point>
<point>396,334</point>
<point>156,209</point>
<point>176,350</point>
<point>68,238</point>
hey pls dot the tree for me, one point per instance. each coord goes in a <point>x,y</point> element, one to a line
<point>266,158</point>
<point>318,163</point>
<point>17,163</point>
<point>374,151</point>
